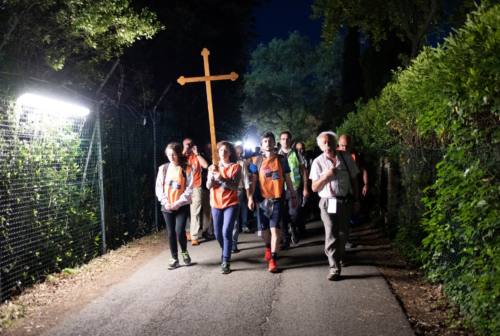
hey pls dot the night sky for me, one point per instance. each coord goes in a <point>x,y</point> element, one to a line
<point>277,18</point>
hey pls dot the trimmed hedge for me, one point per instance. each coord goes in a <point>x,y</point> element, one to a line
<point>438,119</point>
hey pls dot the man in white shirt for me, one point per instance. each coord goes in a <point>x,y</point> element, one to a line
<point>333,176</point>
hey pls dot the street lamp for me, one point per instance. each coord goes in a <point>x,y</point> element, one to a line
<point>52,106</point>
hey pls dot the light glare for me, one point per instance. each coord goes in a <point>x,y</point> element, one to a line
<point>52,106</point>
<point>249,144</point>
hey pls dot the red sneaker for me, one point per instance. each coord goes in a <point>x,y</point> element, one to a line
<point>267,255</point>
<point>273,267</point>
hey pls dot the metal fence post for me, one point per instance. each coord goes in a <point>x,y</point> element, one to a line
<point>1,292</point>
<point>101,178</point>
<point>155,168</point>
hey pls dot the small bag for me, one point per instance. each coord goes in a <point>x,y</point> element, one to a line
<point>267,206</point>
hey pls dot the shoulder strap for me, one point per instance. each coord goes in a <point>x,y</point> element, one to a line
<point>281,158</point>
<point>184,173</point>
<point>258,163</point>
<point>165,168</point>
<point>341,154</point>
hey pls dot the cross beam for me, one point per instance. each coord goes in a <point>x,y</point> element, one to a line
<point>208,79</point>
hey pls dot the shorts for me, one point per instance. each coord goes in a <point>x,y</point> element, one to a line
<point>269,214</point>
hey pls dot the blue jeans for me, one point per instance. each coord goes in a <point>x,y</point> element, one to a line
<point>241,218</point>
<point>223,227</point>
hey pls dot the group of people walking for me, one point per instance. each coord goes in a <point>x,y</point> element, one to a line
<point>274,184</point>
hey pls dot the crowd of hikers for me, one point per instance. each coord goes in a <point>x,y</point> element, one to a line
<point>273,190</point>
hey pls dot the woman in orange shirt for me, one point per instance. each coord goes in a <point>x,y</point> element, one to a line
<point>223,182</point>
<point>174,186</point>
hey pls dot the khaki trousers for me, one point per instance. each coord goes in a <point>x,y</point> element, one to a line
<point>195,213</point>
<point>335,230</point>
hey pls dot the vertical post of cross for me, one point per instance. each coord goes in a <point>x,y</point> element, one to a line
<point>207,79</point>
<point>211,120</point>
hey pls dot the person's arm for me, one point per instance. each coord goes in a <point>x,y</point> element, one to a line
<point>364,191</point>
<point>201,159</point>
<point>323,180</point>
<point>304,173</point>
<point>210,178</point>
<point>159,188</point>
<point>291,190</point>
<point>251,191</point>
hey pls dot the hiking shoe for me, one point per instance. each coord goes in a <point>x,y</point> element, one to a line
<point>173,264</point>
<point>186,258</point>
<point>246,230</point>
<point>195,242</point>
<point>225,269</point>
<point>334,274</point>
<point>267,254</point>
<point>273,267</point>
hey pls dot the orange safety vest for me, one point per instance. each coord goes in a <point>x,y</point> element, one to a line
<point>195,164</point>
<point>271,177</point>
<point>220,197</point>
<point>174,182</point>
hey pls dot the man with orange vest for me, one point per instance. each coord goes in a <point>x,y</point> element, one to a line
<point>270,172</point>
<point>197,163</point>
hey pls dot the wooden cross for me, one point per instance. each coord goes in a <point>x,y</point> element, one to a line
<point>208,79</point>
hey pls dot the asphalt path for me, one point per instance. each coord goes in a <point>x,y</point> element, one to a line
<point>199,300</point>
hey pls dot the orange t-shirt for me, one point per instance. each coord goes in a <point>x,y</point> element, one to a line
<point>175,182</point>
<point>220,197</point>
<point>271,177</point>
<point>195,165</point>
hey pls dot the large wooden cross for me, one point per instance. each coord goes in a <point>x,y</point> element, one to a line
<point>208,79</point>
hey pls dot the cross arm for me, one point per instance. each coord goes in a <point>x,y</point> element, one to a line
<point>183,80</point>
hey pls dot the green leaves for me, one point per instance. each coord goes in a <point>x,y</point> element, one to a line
<point>288,84</point>
<point>447,101</point>
<point>48,220</point>
<point>55,34</point>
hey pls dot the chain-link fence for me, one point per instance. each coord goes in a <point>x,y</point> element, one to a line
<point>57,209</point>
<point>49,193</point>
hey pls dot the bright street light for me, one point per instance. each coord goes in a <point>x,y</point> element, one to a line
<point>52,106</point>
<point>250,144</point>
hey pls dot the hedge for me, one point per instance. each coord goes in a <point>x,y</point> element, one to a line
<point>438,119</point>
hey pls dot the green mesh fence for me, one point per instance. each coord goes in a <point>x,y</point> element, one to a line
<point>49,196</point>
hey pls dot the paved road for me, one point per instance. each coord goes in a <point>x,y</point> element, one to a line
<point>198,300</point>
